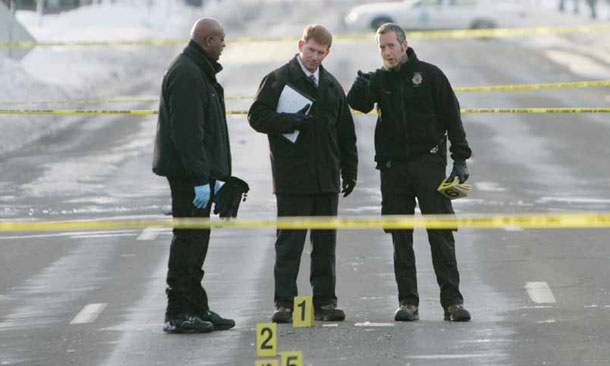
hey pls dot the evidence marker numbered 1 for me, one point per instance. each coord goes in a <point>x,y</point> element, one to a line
<point>302,316</point>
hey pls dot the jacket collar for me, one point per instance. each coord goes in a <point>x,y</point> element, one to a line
<point>407,66</point>
<point>297,73</point>
<point>411,61</point>
<point>198,55</point>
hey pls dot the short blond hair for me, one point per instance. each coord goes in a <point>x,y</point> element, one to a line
<point>317,33</point>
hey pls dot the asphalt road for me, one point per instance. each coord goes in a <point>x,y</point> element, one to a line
<point>538,297</point>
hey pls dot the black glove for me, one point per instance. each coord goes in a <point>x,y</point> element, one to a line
<point>229,196</point>
<point>348,186</point>
<point>301,118</point>
<point>362,80</point>
<point>460,170</point>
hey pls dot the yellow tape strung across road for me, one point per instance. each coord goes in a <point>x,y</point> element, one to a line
<point>450,34</point>
<point>234,113</point>
<point>568,85</point>
<point>116,43</point>
<point>503,32</point>
<point>539,221</point>
<point>65,112</point>
<point>84,101</point>
<point>536,110</point>
<point>468,89</point>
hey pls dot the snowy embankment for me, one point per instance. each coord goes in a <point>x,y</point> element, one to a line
<point>57,73</point>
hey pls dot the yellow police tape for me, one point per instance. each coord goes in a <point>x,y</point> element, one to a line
<point>244,112</point>
<point>515,87</point>
<point>536,110</point>
<point>537,221</point>
<point>503,32</point>
<point>83,101</point>
<point>468,89</point>
<point>451,34</point>
<point>115,43</point>
<point>65,112</point>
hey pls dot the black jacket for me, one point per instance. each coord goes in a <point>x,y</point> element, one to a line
<point>324,150</point>
<point>192,138</point>
<point>416,108</point>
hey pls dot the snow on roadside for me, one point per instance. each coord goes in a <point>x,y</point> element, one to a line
<point>111,21</point>
<point>57,73</point>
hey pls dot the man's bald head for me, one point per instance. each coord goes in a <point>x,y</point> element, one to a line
<point>209,34</point>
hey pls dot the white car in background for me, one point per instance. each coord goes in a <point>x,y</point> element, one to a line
<point>436,14</point>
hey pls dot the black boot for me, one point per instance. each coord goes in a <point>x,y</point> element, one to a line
<point>329,313</point>
<point>282,314</point>
<point>219,322</point>
<point>186,323</point>
<point>456,313</point>
<point>406,313</point>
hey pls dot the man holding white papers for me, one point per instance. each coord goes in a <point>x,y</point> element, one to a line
<point>303,110</point>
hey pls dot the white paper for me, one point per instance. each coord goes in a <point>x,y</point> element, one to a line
<point>291,101</point>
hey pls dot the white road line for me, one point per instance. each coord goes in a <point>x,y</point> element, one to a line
<point>452,357</point>
<point>548,321</point>
<point>535,307</point>
<point>489,187</point>
<point>150,233</point>
<point>573,200</point>
<point>89,313</point>
<point>370,324</point>
<point>67,233</point>
<point>540,292</point>
<point>99,236</point>
<point>513,228</point>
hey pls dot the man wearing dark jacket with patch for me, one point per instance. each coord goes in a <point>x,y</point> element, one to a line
<point>307,171</point>
<point>192,150</point>
<point>417,112</point>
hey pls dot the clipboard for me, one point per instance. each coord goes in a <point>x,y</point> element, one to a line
<point>292,101</point>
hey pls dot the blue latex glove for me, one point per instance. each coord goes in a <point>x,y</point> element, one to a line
<point>202,196</point>
<point>217,186</point>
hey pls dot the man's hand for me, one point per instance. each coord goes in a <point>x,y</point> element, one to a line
<point>363,81</point>
<point>460,170</point>
<point>348,186</point>
<point>301,118</point>
<point>202,196</point>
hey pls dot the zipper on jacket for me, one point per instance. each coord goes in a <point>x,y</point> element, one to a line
<point>403,113</point>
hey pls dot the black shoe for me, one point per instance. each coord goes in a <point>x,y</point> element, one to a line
<point>219,322</point>
<point>186,323</point>
<point>282,314</point>
<point>329,313</point>
<point>406,313</point>
<point>456,313</point>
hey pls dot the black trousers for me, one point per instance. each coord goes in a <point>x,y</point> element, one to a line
<point>289,247</point>
<point>401,184</point>
<point>188,250</point>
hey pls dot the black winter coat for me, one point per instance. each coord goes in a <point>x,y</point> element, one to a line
<point>324,150</point>
<point>192,138</point>
<point>416,108</point>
